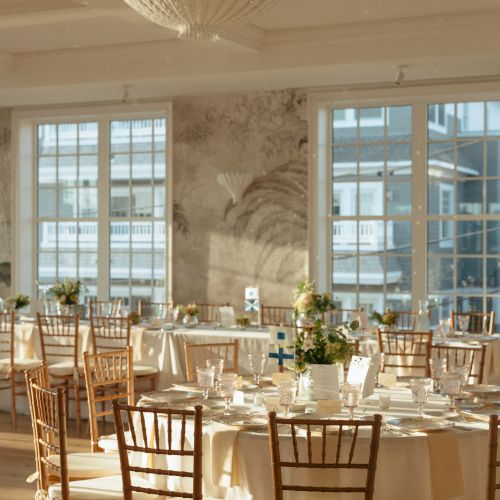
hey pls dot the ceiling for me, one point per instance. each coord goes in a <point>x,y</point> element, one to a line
<point>59,51</point>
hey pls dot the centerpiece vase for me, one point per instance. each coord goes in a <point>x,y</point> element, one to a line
<point>327,380</point>
<point>190,320</point>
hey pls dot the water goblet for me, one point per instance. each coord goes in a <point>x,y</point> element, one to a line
<point>287,391</point>
<point>227,387</point>
<point>380,369</point>
<point>438,369</point>
<point>444,329</point>
<point>257,365</point>
<point>218,365</point>
<point>351,394</point>
<point>205,379</point>
<point>452,386</point>
<point>463,322</point>
<point>420,388</point>
<point>463,371</point>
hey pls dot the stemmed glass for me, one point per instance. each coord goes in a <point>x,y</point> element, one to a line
<point>452,385</point>
<point>463,371</point>
<point>287,390</point>
<point>380,369</point>
<point>420,388</point>
<point>218,365</point>
<point>444,328</point>
<point>463,322</point>
<point>205,378</point>
<point>438,369</point>
<point>227,387</point>
<point>351,394</point>
<point>257,365</point>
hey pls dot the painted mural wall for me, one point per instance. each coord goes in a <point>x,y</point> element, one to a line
<point>5,200</point>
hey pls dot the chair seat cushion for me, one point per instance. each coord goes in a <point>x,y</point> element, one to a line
<point>144,370</point>
<point>90,465</point>
<point>110,443</point>
<point>19,364</point>
<point>103,487</point>
<point>64,369</point>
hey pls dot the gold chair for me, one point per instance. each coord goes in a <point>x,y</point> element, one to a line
<point>407,320</point>
<point>493,461</point>
<point>54,463</point>
<point>406,350</point>
<point>156,446</point>
<point>197,355</point>
<point>473,356</point>
<point>108,377</point>
<point>342,452</point>
<point>145,308</point>
<point>478,322</point>
<point>10,366</point>
<point>61,347</point>
<point>114,333</point>
<point>276,315</point>
<point>209,313</point>
<point>104,307</point>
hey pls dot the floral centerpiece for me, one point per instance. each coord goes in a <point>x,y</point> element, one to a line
<point>189,314</point>
<point>243,321</point>
<point>308,305</point>
<point>389,318</point>
<point>67,294</point>
<point>19,301</point>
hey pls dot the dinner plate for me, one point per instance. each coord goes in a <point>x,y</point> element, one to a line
<point>482,389</point>
<point>241,421</point>
<point>479,413</point>
<point>169,396</point>
<point>419,424</point>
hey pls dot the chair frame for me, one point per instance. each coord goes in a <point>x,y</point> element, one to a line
<point>407,320</point>
<point>477,319</point>
<point>409,340</point>
<point>453,352</point>
<point>105,380</point>
<point>353,425</point>
<point>208,312</point>
<point>92,303</point>
<point>50,326</point>
<point>152,446</point>
<point>275,315</point>
<point>493,462</point>
<point>144,307</point>
<point>214,349</point>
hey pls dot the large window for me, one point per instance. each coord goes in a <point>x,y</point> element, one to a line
<point>100,206</point>
<point>408,205</point>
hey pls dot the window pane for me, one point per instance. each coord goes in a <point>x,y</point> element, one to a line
<point>120,136</point>
<point>470,158</point>
<point>345,126</point>
<point>493,276</point>
<point>345,160</point>
<point>142,135</point>
<point>67,138</point>
<point>399,159</point>
<point>493,158</point>
<point>470,237</point>
<point>441,198</point>
<point>371,198</point>
<point>440,274</point>
<point>87,137</point>
<point>371,236</point>
<point>68,170</point>
<point>441,160</point>
<point>47,202</point>
<point>371,124</point>
<point>399,237</point>
<point>470,118</point>
<point>371,161</point>
<point>399,123</point>
<point>142,166</point>
<point>470,275</point>
<point>47,267</point>
<point>493,193</point>
<point>493,237</point>
<point>47,171</point>
<point>398,274</point>
<point>470,197</point>
<point>493,113</point>
<point>87,236</point>
<point>88,202</point>
<point>88,171</point>
<point>47,139</point>
<point>441,121</point>
<point>399,198</point>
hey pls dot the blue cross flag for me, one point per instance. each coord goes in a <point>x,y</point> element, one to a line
<point>281,344</point>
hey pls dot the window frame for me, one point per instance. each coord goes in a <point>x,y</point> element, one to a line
<point>24,182</point>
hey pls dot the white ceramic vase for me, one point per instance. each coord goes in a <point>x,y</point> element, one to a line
<point>327,380</point>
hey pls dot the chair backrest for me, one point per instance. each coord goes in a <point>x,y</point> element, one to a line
<point>197,355</point>
<point>50,435</point>
<point>406,350</point>
<point>40,375</point>
<point>7,324</point>
<point>146,437</point>
<point>407,320</point>
<point>145,308</point>
<point>109,376</point>
<point>478,322</point>
<point>276,315</point>
<point>104,307</point>
<point>337,317</point>
<point>493,461</point>
<point>209,313</point>
<point>325,447</point>
<point>109,333</point>
<point>59,338</point>
<point>474,356</point>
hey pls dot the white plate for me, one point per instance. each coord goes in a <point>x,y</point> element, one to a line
<point>482,389</point>
<point>168,396</point>
<point>241,421</point>
<point>481,413</point>
<point>416,424</point>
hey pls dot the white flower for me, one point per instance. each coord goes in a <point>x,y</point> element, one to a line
<point>304,302</point>
<point>307,344</point>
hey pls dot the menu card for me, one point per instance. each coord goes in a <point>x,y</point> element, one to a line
<point>363,370</point>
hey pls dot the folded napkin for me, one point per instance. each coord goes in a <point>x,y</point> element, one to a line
<point>224,455</point>
<point>446,469</point>
<point>24,338</point>
<point>136,342</point>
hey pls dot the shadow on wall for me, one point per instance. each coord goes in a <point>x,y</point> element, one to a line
<point>4,279</point>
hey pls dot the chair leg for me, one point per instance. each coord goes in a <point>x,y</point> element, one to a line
<point>13,413</point>
<point>76,390</point>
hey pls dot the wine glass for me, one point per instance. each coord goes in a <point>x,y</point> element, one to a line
<point>205,378</point>
<point>463,371</point>
<point>257,365</point>
<point>452,386</point>
<point>351,394</point>
<point>444,328</point>
<point>218,365</point>
<point>227,387</point>
<point>438,369</point>
<point>463,322</point>
<point>420,388</point>
<point>380,369</point>
<point>287,390</point>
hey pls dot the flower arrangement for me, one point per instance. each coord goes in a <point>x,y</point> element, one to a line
<point>243,321</point>
<point>189,310</point>
<point>389,318</point>
<point>19,301</point>
<point>308,302</point>
<point>68,292</point>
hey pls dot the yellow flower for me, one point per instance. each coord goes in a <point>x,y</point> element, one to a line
<point>304,302</point>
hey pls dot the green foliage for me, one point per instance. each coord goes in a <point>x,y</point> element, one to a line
<point>19,301</point>
<point>67,292</point>
<point>389,318</point>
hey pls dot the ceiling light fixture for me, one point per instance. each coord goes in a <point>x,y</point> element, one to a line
<point>400,74</point>
<point>200,19</point>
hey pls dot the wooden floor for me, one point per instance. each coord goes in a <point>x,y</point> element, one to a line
<point>17,456</point>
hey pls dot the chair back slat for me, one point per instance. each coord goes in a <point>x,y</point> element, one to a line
<point>141,420</point>
<point>493,462</point>
<point>276,315</point>
<point>406,320</point>
<point>197,355</point>
<point>343,453</point>
<point>145,308</point>
<point>104,307</point>
<point>59,338</point>
<point>406,350</point>
<point>109,333</point>
<point>479,322</point>
<point>7,336</point>
<point>458,356</point>
<point>209,313</point>
<point>109,376</point>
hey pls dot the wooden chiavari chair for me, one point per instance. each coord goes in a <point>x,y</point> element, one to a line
<point>493,461</point>
<point>276,315</point>
<point>406,350</point>
<point>55,466</point>
<point>61,348</point>
<point>104,307</point>
<point>481,323</point>
<point>152,443</point>
<point>337,317</point>
<point>10,366</point>
<point>458,356</point>
<point>209,313</point>
<point>108,377</point>
<point>197,355</point>
<point>145,308</point>
<point>337,452</point>
<point>114,333</point>
<point>407,320</point>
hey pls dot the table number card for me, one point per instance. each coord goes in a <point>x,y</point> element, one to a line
<point>252,302</point>
<point>363,371</point>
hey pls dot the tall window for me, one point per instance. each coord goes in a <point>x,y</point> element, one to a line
<point>101,209</point>
<point>413,205</point>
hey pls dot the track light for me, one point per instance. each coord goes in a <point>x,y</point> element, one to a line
<point>400,74</point>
